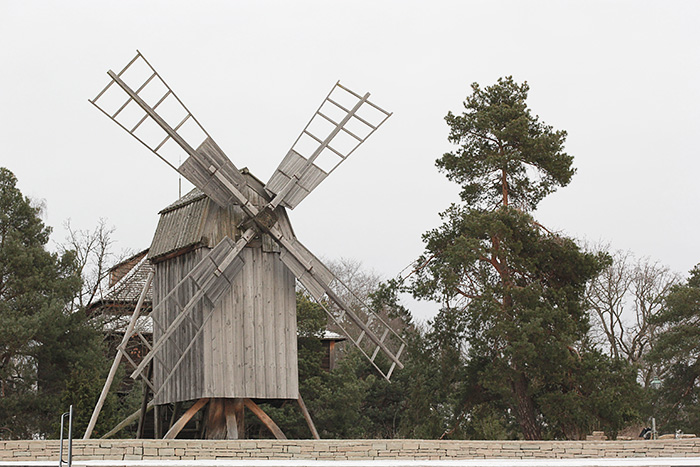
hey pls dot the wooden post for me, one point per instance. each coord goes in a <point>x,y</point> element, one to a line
<point>144,407</point>
<point>231,419</point>
<point>173,416</point>
<point>267,421</point>
<point>157,431</point>
<point>118,358</point>
<point>239,411</point>
<point>180,424</point>
<point>307,417</point>
<point>216,419</point>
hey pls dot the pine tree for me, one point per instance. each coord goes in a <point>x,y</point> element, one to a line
<point>677,353</point>
<point>518,286</point>
<point>41,342</point>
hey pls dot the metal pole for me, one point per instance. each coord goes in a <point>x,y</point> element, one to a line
<point>70,438</point>
<point>60,448</point>
<point>653,428</point>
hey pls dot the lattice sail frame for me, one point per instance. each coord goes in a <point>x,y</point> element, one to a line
<point>343,121</point>
<point>120,107</point>
<point>322,285</point>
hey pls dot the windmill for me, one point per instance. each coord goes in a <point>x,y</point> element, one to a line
<point>226,260</point>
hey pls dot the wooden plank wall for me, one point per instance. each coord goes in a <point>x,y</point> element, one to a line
<point>249,346</point>
<point>188,380</point>
<point>252,335</point>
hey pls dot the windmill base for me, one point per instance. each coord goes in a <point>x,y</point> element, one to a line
<point>225,419</point>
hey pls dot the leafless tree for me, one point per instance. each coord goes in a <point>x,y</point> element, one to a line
<point>93,250</point>
<point>355,284</point>
<point>622,299</point>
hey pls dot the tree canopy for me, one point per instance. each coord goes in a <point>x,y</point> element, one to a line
<point>505,154</point>
<point>515,287</point>
<point>42,344</point>
<point>677,355</point>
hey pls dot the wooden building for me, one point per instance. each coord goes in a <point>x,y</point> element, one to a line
<point>226,262</point>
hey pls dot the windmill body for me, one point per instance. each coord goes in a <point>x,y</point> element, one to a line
<point>226,260</point>
<point>248,345</point>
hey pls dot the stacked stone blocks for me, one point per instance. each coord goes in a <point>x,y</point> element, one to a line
<point>345,449</point>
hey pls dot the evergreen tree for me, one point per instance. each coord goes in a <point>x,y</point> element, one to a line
<point>351,401</point>
<point>677,352</point>
<point>41,343</point>
<point>517,287</point>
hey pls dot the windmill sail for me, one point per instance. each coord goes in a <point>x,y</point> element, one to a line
<point>370,335</point>
<point>142,103</point>
<point>342,122</point>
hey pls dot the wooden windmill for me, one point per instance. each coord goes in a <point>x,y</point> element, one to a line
<point>226,259</point>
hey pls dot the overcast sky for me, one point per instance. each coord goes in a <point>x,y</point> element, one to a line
<point>622,78</point>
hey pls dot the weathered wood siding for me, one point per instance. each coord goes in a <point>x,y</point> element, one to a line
<point>253,340</point>
<point>188,380</point>
<point>248,348</point>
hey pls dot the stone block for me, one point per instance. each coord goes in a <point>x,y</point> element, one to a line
<point>150,451</point>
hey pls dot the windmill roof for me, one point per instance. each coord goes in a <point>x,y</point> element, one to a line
<point>195,220</point>
<point>193,195</point>
<point>128,287</point>
<point>180,224</point>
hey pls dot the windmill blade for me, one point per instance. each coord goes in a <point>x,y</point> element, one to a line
<point>317,279</point>
<point>310,276</point>
<point>342,122</point>
<point>142,103</point>
<point>210,278</point>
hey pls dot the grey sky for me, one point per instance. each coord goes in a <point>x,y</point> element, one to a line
<point>621,77</point>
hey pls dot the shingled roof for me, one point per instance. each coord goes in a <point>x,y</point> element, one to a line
<point>126,281</point>
<point>195,221</point>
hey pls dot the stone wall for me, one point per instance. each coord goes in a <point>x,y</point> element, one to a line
<point>344,449</point>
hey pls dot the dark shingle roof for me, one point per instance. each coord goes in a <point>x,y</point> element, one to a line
<point>128,288</point>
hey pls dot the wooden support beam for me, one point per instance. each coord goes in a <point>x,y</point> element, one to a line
<point>126,422</point>
<point>216,419</point>
<point>267,421</point>
<point>144,406</point>
<point>173,416</point>
<point>307,417</point>
<point>117,359</point>
<point>233,409</point>
<point>180,424</point>
<point>239,411</point>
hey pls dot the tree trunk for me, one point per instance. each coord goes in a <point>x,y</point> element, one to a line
<point>525,409</point>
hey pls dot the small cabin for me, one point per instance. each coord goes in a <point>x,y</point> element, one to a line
<point>115,305</point>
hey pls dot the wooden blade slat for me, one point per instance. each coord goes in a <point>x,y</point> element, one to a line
<point>376,349</point>
<point>211,163</point>
<point>299,173</point>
